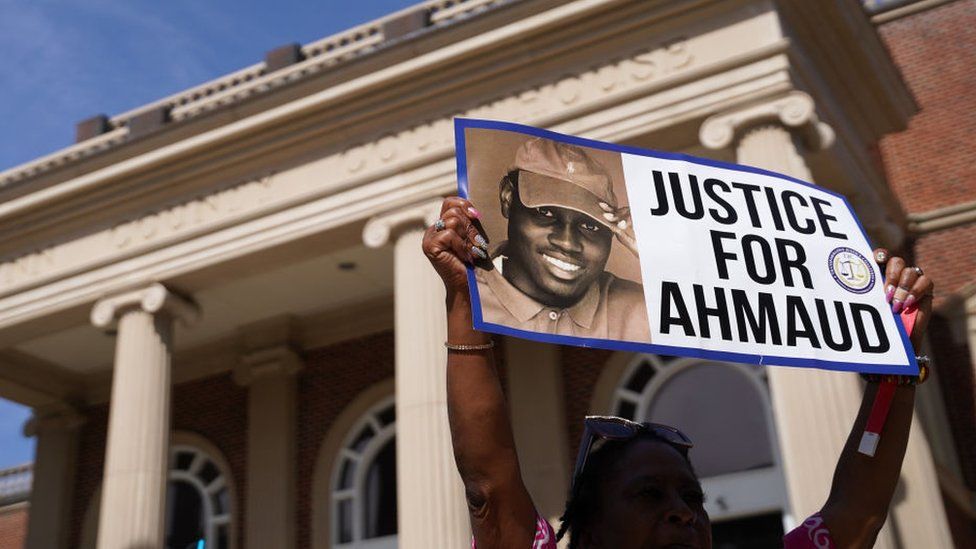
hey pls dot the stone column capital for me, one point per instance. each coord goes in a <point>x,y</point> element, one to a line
<point>62,420</point>
<point>380,228</point>
<point>796,111</point>
<point>153,299</point>
<point>280,360</point>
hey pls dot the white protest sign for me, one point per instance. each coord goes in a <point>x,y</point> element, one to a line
<point>621,248</point>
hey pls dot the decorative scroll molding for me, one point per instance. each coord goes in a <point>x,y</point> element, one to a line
<point>152,299</point>
<point>795,110</point>
<point>280,360</point>
<point>379,229</point>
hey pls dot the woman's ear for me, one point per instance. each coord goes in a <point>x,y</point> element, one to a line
<point>506,194</point>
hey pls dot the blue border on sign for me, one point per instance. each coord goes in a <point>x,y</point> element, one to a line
<point>461,124</point>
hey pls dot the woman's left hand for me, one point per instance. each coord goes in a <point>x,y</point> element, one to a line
<point>907,287</point>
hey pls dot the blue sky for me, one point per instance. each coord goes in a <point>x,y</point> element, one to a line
<point>67,60</point>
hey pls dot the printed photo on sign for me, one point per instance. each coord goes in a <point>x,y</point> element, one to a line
<point>557,218</point>
<point>601,245</point>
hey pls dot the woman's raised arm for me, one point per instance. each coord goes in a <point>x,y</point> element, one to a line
<point>502,513</point>
<point>861,492</point>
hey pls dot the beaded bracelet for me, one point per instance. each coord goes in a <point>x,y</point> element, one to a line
<point>923,374</point>
<point>463,347</point>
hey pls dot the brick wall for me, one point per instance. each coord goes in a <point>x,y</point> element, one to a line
<point>88,477</point>
<point>933,165</point>
<point>13,526</point>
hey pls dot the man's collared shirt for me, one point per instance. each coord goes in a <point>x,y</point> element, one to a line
<point>611,308</point>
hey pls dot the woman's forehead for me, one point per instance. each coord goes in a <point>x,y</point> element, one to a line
<point>653,458</point>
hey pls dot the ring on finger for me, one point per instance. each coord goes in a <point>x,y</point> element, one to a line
<point>440,225</point>
<point>918,271</point>
<point>881,257</point>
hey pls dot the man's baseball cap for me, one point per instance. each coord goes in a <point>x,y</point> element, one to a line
<point>565,176</point>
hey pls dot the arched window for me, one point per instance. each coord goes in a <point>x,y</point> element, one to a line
<point>364,494</point>
<point>199,498</point>
<point>725,410</point>
<point>197,502</point>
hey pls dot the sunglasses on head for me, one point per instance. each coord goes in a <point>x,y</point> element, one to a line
<point>602,428</point>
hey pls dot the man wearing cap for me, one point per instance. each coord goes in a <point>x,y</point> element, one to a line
<point>549,275</point>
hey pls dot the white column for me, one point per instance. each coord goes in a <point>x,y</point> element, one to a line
<point>271,414</point>
<point>430,495</point>
<point>814,410</point>
<point>54,473</point>
<point>136,457</point>
<point>535,394</point>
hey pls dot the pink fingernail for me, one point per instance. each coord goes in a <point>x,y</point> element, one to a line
<point>889,293</point>
<point>474,213</point>
<point>896,307</point>
<point>909,301</point>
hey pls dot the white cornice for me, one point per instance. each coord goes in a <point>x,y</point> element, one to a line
<point>361,196</point>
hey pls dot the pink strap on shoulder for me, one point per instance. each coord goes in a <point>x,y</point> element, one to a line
<point>812,534</point>
<point>545,536</point>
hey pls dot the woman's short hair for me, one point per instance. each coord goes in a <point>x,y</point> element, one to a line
<point>582,506</point>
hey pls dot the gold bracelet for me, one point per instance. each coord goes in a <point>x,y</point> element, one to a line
<point>462,347</point>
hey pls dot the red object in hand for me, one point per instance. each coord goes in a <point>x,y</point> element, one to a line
<point>882,401</point>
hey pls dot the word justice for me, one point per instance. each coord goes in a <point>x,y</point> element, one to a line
<point>804,215</point>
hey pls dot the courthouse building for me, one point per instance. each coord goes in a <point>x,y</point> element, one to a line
<point>217,306</point>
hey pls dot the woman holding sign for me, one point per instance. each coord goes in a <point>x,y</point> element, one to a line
<point>634,485</point>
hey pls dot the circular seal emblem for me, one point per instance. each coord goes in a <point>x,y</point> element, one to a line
<point>851,270</point>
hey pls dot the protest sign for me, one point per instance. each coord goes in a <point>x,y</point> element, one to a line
<point>601,245</point>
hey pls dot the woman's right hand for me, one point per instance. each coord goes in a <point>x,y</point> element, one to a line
<point>455,243</point>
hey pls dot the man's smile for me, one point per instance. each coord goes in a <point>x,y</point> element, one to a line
<point>562,265</point>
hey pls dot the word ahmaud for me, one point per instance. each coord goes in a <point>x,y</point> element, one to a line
<point>761,317</point>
